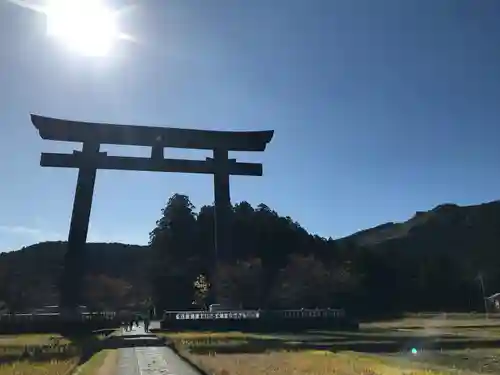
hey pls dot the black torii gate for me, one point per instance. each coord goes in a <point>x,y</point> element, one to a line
<point>90,159</point>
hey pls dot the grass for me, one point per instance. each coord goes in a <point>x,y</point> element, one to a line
<point>55,367</point>
<point>445,344</point>
<point>33,345</point>
<point>306,363</point>
<point>102,362</point>
<point>47,354</point>
<point>31,339</point>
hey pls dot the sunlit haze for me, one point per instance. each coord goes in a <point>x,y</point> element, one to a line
<point>86,26</point>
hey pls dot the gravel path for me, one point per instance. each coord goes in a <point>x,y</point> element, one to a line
<point>150,360</point>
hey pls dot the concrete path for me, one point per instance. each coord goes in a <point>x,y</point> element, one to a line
<point>150,357</point>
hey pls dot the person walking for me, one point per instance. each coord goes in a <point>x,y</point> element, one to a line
<point>146,323</point>
<point>128,318</point>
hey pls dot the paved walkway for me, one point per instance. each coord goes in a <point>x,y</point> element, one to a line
<point>149,359</point>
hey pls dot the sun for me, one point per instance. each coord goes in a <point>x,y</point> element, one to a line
<point>87,26</point>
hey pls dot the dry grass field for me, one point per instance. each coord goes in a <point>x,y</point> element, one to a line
<point>430,344</point>
<point>33,354</point>
<point>306,362</point>
<point>43,368</point>
<point>47,354</point>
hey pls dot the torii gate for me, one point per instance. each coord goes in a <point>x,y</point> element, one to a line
<point>90,159</point>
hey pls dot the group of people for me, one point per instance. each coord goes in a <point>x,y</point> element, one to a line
<point>129,325</point>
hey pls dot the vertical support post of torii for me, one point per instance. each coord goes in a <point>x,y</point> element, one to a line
<point>222,206</point>
<point>74,261</point>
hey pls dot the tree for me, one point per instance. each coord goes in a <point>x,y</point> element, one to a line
<point>205,240</point>
<point>428,262</point>
<point>175,262</point>
<point>201,291</point>
<point>240,284</point>
<point>103,292</point>
<point>306,282</point>
<point>175,230</point>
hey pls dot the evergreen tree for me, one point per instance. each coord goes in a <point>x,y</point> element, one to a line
<point>174,259</point>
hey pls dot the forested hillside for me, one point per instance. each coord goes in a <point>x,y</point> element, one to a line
<point>430,262</point>
<point>115,272</point>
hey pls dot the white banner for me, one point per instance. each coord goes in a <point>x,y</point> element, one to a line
<point>217,315</point>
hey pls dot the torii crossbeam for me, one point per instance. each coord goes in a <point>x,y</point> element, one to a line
<point>90,159</point>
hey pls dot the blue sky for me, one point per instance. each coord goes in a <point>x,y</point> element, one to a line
<point>380,109</point>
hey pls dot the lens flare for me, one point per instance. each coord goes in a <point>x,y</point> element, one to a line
<point>86,26</point>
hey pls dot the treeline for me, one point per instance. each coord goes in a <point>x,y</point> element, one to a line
<point>115,276</point>
<point>278,264</point>
<point>428,263</point>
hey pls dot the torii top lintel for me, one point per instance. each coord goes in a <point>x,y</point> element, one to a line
<point>76,131</point>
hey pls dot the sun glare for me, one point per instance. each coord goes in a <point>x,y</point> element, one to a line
<point>87,26</point>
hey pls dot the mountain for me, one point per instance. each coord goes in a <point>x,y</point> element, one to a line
<point>472,232</point>
<point>31,275</point>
